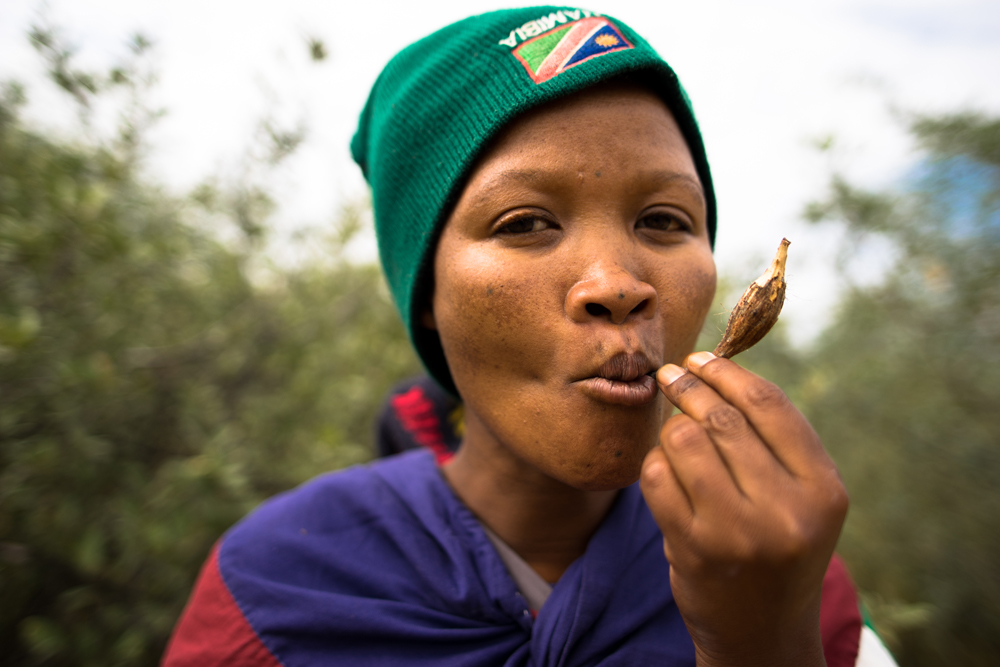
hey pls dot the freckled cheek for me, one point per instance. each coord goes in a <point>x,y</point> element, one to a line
<point>690,294</point>
<point>493,313</point>
<point>703,290</point>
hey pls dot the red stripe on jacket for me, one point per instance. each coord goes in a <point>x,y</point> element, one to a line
<point>212,631</point>
<point>839,617</point>
<point>416,413</point>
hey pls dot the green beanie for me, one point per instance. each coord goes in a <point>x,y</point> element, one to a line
<point>440,100</point>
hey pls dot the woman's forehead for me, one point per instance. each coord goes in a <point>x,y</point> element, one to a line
<point>613,125</point>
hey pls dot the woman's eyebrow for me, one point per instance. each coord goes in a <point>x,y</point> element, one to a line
<point>661,178</point>
<point>504,179</point>
<point>655,178</point>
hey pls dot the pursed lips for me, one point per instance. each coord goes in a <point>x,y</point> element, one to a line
<point>622,380</point>
<point>625,367</point>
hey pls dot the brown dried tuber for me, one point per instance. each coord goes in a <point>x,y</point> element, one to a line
<point>757,310</point>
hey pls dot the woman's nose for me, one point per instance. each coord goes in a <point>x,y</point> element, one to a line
<point>611,293</point>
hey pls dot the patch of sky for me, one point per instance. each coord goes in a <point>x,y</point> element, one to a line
<point>965,23</point>
<point>967,192</point>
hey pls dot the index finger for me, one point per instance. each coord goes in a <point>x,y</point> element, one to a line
<point>750,461</point>
<point>779,423</point>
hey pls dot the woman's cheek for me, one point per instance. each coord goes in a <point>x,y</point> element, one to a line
<point>491,317</point>
<point>690,298</point>
<point>703,291</point>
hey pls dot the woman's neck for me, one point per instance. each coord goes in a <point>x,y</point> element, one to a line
<point>545,521</point>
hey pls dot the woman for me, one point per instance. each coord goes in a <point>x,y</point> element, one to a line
<point>545,217</point>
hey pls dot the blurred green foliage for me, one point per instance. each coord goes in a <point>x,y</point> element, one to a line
<point>904,387</point>
<point>155,385</point>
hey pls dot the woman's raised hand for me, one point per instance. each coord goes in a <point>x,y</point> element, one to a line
<point>751,507</point>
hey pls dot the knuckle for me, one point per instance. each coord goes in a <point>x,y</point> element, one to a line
<point>654,470</point>
<point>724,419</point>
<point>795,544</point>
<point>799,544</point>
<point>805,534</point>
<point>684,436</point>
<point>765,396</point>
<point>840,501</point>
<point>684,384</point>
<point>832,497</point>
<point>699,487</point>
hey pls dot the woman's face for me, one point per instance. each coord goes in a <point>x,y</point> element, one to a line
<point>576,259</point>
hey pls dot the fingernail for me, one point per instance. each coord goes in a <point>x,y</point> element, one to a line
<point>667,374</point>
<point>699,359</point>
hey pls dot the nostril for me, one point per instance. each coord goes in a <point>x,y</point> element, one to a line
<point>611,295</point>
<point>597,310</point>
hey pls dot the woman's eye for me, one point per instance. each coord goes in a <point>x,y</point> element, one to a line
<point>524,225</point>
<point>663,221</point>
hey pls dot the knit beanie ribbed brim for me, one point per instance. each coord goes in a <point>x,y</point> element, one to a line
<point>439,101</point>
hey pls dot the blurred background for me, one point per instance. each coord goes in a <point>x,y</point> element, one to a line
<point>192,318</point>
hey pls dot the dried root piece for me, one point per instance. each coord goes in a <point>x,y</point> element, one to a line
<point>757,310</point>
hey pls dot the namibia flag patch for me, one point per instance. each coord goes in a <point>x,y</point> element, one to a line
<point>559,49</point>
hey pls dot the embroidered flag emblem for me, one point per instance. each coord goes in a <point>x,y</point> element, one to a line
<point>561,48</point>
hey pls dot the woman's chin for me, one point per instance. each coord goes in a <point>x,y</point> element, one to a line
<point>566,437</point>
<point>608,470</point>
